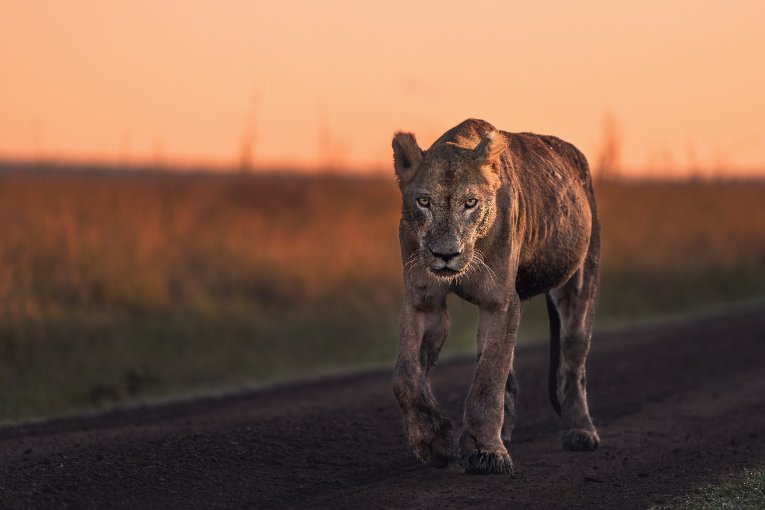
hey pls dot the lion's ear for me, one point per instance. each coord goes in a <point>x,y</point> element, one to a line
<point>407,156</point>
<point>486,155</point>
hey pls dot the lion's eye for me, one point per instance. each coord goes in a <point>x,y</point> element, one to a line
<point>470,203</point>
<point>423,201</point>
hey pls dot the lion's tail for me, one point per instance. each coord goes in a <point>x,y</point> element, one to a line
<point>552,312</point>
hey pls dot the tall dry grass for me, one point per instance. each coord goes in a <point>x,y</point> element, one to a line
<point>124,243</point>
<point>124,286</point>
<point>146,243</point>
<point>683,226</point>
<point>671,246</point>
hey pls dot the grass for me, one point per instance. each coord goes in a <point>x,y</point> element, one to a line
<point>741,491</point>
<point>120,287</point>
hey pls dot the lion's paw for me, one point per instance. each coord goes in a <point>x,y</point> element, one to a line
<point>438,452</point>
<point>580,439</point>
<point>432,441</point>
<point>479,462</point>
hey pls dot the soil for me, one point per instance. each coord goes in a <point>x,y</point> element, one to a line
<point>677,404</point>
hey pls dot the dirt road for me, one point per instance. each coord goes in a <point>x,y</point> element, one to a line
<point>677,404</point>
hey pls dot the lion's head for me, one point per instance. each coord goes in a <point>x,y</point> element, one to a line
<point>449,198</point>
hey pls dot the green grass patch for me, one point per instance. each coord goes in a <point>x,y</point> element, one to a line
<point>740,491</point>
<point>77,361</point>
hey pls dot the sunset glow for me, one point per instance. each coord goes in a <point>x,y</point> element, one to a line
<point>325,84</point>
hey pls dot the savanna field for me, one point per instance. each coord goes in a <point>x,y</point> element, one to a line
<point>120,287</point>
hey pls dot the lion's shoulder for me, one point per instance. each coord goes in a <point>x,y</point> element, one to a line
<point>467,134</point>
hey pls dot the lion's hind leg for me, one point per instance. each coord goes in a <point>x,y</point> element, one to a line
<point>572,307</point>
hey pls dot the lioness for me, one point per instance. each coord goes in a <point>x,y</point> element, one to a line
<point>496,218</point>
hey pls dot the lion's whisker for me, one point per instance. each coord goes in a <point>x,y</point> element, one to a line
<point>414,259</point>
<point>479,261</point>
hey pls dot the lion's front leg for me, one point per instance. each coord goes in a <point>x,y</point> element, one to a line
<point>481,446</point>
<point>423,334</point>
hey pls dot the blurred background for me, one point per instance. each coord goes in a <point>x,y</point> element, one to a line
<point>197,197</point>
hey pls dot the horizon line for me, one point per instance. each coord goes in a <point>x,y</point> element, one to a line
<point>8,164</point>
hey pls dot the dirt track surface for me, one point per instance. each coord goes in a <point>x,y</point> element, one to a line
<point>677,404</point>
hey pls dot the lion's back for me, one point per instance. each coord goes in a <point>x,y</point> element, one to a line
<point>536,153</point>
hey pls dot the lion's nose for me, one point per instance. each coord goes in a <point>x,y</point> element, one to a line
<point>446,257</point>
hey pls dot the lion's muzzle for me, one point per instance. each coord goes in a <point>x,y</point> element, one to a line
<point>447,263</point>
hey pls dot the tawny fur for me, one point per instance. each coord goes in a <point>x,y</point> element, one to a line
<point>495,218</point>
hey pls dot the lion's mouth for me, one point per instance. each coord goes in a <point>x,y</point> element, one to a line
<point>445,272</point>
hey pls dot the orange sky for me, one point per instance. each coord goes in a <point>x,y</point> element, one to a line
<point>328,82</point>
